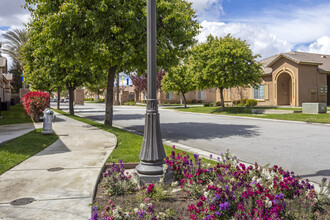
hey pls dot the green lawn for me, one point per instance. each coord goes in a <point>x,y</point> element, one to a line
<point>16,115</point>
<point>21,148</point>
<point>129,144</point>
<point>241,111</point>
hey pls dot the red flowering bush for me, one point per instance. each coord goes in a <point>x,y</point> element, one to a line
<point>35,103</point>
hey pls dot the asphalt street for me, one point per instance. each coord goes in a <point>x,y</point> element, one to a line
<point>296,146</point>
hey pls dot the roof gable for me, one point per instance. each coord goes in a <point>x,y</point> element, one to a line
<point>321,60</point>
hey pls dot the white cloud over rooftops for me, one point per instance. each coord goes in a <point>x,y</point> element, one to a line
<point>261,40</point>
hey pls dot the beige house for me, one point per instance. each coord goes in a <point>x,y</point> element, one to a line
<point>289,79</point>
<point>5,88</point>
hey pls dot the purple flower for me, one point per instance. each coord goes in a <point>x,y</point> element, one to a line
<point>224,206</point>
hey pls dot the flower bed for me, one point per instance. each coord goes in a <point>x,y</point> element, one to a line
<point>229,190</point>
<point>35,103</point>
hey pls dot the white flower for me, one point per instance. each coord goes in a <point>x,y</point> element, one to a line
<point>206,194</point>
<point>259,180</point>
<point>164,167</point>
<point>142,205</point>
<point>136,210</point>
<point>174,184</point>
<point>268,203</point>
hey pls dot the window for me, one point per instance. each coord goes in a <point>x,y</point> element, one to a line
<point>169,95</point>
<point>200,95</point>
<point>259,93</point>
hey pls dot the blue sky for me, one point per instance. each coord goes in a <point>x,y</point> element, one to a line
<point>269,26</point>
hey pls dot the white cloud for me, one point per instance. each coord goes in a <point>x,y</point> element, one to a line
<point>208,8</point>
<point>321,45</point>
<point>261,40</point>
<point>293,24</point>
<point>12,14</point>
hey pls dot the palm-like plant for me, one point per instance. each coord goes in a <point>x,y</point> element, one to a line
<point>14,40</point>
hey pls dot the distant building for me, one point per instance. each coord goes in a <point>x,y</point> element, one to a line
<point>290,79</point>
<point>5,79</point>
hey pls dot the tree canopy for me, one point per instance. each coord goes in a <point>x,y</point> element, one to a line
<point>225,62</point>
<point>179,80</point>
<point>109,35</point>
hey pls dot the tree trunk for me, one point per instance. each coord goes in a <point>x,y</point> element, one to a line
<point>71,98</point>
<point>58,97</point>
<point>222,100</point>
<point>98,95</point>
<point>48,105</point>
<point>117,91</point>
<point>184,99</point>
<point>109,96</point>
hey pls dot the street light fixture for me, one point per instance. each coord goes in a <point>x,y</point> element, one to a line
<point>152,153</point>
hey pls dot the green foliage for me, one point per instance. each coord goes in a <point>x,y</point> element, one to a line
<point>118,182</point>
<point>245,102</point>
<point>130,103</point>
<point>251,102</point>
<point>178,80</point>
<point>14,40</point>
<point>208,104</point>
<point>17,77</point>
<point>106,36</point>
<point>218,103</point>
<point>21,148</point>
<point>224,63</point>
<point>16,115</point>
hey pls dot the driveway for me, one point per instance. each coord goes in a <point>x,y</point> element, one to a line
<point>297,146</point>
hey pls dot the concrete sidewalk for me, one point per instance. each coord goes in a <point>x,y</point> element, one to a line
<point>9,132</point>
<point>61,178</point>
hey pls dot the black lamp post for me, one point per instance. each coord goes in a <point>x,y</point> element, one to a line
<point>152,154</point>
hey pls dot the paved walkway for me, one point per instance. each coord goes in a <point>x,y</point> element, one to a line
<point>9,132</point>
<point>80,152</point>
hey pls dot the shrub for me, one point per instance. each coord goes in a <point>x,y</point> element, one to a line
<point>131,100</point>
<point>130,103</point>
<point>243,101</point>
<point>194,101</point>
<point>251,102</point>
<point>218,103</point>
<point>118,182</point>
<point>208,104</point>
<point>236,102</point>
<point>189,101</point>
<point>35,103</point>
<point>200,101</point>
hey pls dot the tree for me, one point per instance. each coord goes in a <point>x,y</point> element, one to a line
<point>141,83</point>
<point>112,34</point>
<point>224,63</point>
<point>17,77</point>
<point>14,40</point>
<point>120,30</point>
<point>60,47</point>
<point>177,79</point>
<point>98,86</point>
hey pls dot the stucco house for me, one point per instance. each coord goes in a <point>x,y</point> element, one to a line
<point>5,78</point>
<point>290,78</point>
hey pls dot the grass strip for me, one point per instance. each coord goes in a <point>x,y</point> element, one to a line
<point>240,111</point>
<point>15,151</point>
<point>16,115</point>
<point>129,144</point>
